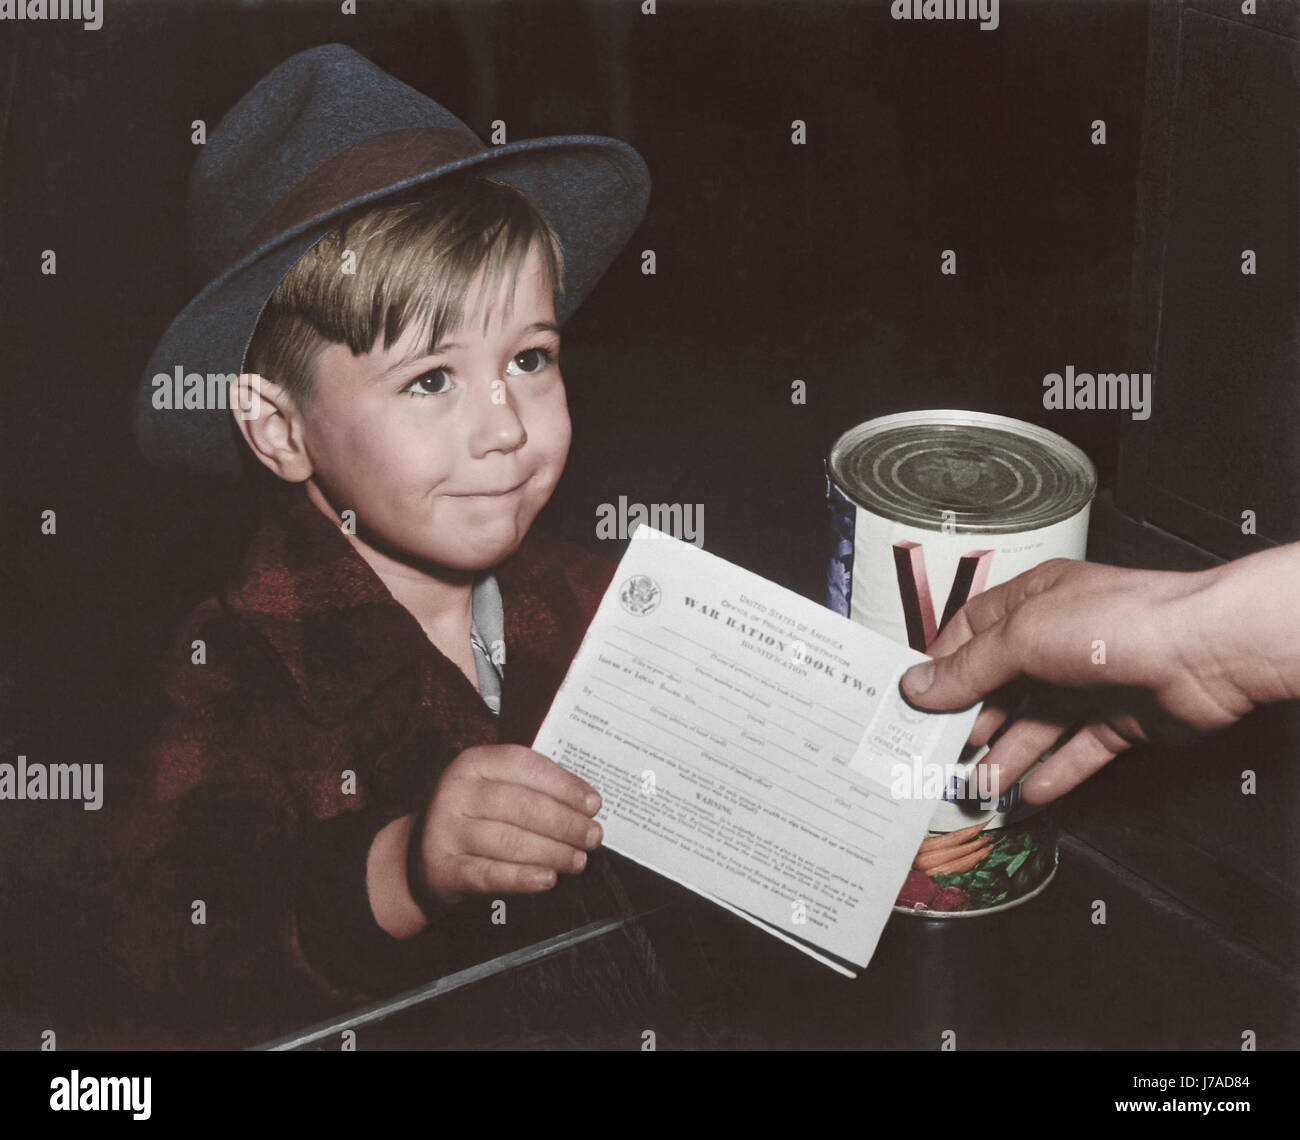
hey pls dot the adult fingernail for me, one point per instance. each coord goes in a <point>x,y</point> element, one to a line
<point>593,835</point>
<point>579,860</point>
<point>918,678</point>
<point>592,803</point>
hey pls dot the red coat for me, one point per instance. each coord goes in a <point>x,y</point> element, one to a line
<point>313,670</point>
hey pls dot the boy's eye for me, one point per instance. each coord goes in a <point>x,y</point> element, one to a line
<point>529,361</point>
<point>437,381</point>
<point>429,383</point>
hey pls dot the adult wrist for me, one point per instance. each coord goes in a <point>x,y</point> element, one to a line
<point>1241,628</point>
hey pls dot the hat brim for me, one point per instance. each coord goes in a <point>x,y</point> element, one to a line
<point>593,190</point>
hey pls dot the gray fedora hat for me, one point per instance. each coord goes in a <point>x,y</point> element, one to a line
<point>325,132</point>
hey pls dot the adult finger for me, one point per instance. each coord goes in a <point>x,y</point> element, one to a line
<point>1018,750</point>
<point>974,654</point>
<point>1001,706</point>
<point>1088,750</point>
<point>990,608</point>
<point>982,613</point>
<point>961,678</point>
<point>989,720</point>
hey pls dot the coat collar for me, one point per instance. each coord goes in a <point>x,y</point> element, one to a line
<point>320,609</point>
<point>339,635</point>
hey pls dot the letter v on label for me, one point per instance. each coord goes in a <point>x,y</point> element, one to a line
<point>914,590</point>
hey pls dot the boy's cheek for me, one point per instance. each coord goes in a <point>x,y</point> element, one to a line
<point>551,435</point>
<point>562,431</point>
<point>557,468</point>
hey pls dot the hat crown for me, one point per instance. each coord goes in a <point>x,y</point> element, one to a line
<point>313,106</point>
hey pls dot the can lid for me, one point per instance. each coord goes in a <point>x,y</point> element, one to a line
<point>994,474</point>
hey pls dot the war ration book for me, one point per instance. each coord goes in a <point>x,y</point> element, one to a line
<point>748,744</point>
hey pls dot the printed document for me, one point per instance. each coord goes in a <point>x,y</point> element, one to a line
<point>745,740</point>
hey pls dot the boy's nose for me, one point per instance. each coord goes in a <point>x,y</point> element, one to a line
<point>497,424</point>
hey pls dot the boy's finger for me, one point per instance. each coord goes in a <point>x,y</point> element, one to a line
<point>507,843</point>
<point>527,808</point>
<point>519,765</point>
<point>491,876</point>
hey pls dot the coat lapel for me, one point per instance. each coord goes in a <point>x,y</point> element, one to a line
<point>341,639</point>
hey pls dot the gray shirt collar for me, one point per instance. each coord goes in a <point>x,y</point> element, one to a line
<point>488,637</point>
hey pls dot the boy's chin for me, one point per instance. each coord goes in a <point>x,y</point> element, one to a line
<point>445,559</point>
<point>477,560</point>
<point>483,553</point>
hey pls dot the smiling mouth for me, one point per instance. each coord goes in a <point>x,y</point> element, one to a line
<point>490,494</point>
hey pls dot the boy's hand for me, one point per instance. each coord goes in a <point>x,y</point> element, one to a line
<point>505,819</point>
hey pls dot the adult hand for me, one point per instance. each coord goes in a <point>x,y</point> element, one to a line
<point>1106,657</point>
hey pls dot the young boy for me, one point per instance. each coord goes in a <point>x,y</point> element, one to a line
<point>342,800</point>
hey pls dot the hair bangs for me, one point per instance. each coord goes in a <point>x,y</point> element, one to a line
<point>412,260</point>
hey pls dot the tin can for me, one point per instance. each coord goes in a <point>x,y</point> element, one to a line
<point>928,509</point>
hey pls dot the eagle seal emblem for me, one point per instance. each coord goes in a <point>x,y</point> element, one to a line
<point>639,594</point>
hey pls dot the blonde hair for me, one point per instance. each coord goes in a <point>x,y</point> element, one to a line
<point>415,258</point>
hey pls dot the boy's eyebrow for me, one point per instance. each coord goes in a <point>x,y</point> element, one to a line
<point>536,326</point>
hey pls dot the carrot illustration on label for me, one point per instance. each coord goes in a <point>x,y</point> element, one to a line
<point>965,863</point>
<point>928,860</point>
<point>953,838</point>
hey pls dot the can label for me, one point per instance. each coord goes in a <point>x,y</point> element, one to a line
<point>907,577</point>
<point>895,578</point>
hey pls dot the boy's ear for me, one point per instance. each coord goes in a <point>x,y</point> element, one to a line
<point>272,425</point>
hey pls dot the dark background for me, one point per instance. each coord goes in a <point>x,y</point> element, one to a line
<point>775,262</point>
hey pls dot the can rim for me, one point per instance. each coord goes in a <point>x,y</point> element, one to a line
<point>1050,441</point>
